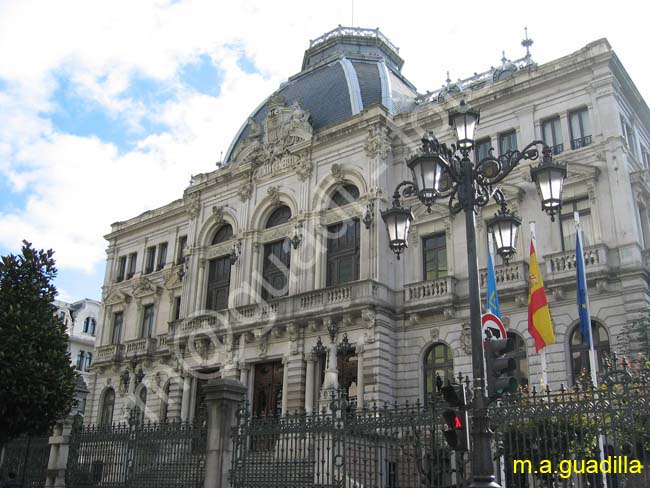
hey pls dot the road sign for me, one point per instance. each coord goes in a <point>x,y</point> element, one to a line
<point>493,323</point>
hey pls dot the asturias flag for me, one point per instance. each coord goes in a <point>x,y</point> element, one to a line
<point>581,287</point>
<point>540,325</point>
<point>492,297</point>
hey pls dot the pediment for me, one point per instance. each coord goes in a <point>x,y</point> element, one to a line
<point>578,172</point>
<point>116,297</point>
<point>172,280</point>
<point>143,287</point>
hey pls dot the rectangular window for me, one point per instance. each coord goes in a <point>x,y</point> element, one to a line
<point>218,283</point>
<point>580,128</point>
<point>89,359</point>
<point>567,224</point>
<point>177,308</point>
<point>629,134</point>
<point>118,319</point>
<point>645,156</point>
<point>133,260</point>
<point>483,148</point>
<point>162,256</point>
<point>180,252</point>
<point>121,269</point>
<point>80,360</point>
<point>434,256</point>
<point>147,321</point>
<point>507,141</point>
<point>151,260</point>
<point>552,134</point>
<point>343,252</point>
<point>275,272</point>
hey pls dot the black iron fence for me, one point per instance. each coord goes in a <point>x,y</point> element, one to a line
<point>388,447</point>
<point>542,439</point>
<point>156,455</point>
<point>27,458</point>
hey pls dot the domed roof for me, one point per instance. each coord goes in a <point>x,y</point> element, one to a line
<point>343,72</point>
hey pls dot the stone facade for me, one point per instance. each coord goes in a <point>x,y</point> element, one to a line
<point>295,152</point>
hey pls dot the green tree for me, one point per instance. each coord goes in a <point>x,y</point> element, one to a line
<point>36,378</point>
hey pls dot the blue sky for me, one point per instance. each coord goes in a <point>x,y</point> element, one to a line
<point>95,97</point>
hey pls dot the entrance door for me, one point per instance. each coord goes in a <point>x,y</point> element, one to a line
<point>267,390</point>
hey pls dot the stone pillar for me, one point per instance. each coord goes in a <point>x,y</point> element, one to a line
<point>198,296</point>
<point>243,374</point>
<point>222,398</point>
<point>285,384</point>
<point>59,441</point>
<point>360,380</point>
<point>309,383</point>
<point>185,402</point>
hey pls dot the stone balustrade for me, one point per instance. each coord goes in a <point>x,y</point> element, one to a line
<point>563,264</point>
<point>511,276</point>
<point>109,353</point>
<point>441,291</point>
<point>145,346</point>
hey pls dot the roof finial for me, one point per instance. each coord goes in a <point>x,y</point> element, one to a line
<point>503,58</point>
<point>448,80</point>
<point>527,43</point>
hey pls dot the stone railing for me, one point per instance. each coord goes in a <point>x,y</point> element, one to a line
<point>145,346</point>
<point>163,342</point>
<point>442,290</point>
<point>109,353</point>
<point>564,263</point>
<point>337,297</point>
<point>508,276</point>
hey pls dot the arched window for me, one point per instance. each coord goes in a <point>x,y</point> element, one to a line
<point>580,350</point>
<point>438,361</point>
<point>140,404</point>
<point>279,216</point>
<point>106,410</point>
<point>344,194</point>
<point>520,357</point>
<point>164,402</point>
<point>223,234</point>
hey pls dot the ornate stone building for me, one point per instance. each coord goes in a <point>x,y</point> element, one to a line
<point>281,247</point>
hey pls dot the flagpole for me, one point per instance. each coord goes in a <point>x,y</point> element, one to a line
<point>590,339</point>
<point>543,351</point>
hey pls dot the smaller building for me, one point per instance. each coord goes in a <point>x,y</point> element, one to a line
<point>81,319</point>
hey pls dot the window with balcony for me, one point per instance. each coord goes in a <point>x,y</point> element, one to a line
<point>180,250</point>
<point>88,361</point>
<point>580,127</point>
<point>162,256</point>
<point>107,407</point>
<point>177,308</point>
<point>434,257</point>
<point>567,223</point>
<point>275,273</point>
<point>133,260</point>
<point>580,351</point>
<point>147,321</point>
<point>218,283</point>
<point>343,244</point>
<point>118,320</point>
<point>150,262</point>
<point>438,369</point>
<point>483,148</point>
<point>121,269</point>
<point>629,135</point>
<point>507,141</point>
<point>552,134</point>
<point>520,357</point>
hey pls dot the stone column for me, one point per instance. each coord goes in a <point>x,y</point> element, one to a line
<point>360,380</point>
<point>285,384</point>
<point>198,296</point>
<point>309,383</point>
<point>185,402</point>
<point>243,374</point>
<point>222,398</point>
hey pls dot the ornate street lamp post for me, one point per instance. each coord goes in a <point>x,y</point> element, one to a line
<point>442,172</point>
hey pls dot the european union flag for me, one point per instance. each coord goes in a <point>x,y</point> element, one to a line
<point>581,287</point>
<point>492,297</point>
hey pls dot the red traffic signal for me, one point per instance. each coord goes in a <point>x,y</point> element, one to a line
<point>455,416</point>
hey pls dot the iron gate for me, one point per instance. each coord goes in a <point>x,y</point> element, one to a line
<point>156,455</point>
<point>387,447</point>
<point>27,457</point>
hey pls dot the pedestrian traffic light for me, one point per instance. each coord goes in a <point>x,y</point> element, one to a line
<point>497,364</point>
<point>455,416</point>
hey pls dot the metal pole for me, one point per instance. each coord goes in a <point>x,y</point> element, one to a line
<point>481,461</point>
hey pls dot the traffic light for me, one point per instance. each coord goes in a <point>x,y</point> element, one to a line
<point>455,416</point>
<point>497,364</point>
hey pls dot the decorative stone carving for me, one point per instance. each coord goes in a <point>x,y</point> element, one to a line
<point>193,204</point>
<point>217,214</point>
<point>171,279</point>
<point>378,143</point>
<point>263,345</point>
<point>245,190</point>
<point>449,312</point>
<point>274,193</point>
<point>304,168</point>
<point>435,333</point>
<point>558,293</point>
<point>116,297</point>
<point>143,287</point>
<point>466,339</point>
<point>601,286</point>
<point>414,319</point>
<point>337,172</point>
<point>369,319</point>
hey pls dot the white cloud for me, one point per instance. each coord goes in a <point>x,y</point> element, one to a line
<point>78,185</point>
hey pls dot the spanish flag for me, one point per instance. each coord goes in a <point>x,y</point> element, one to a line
<point>539,316</point>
